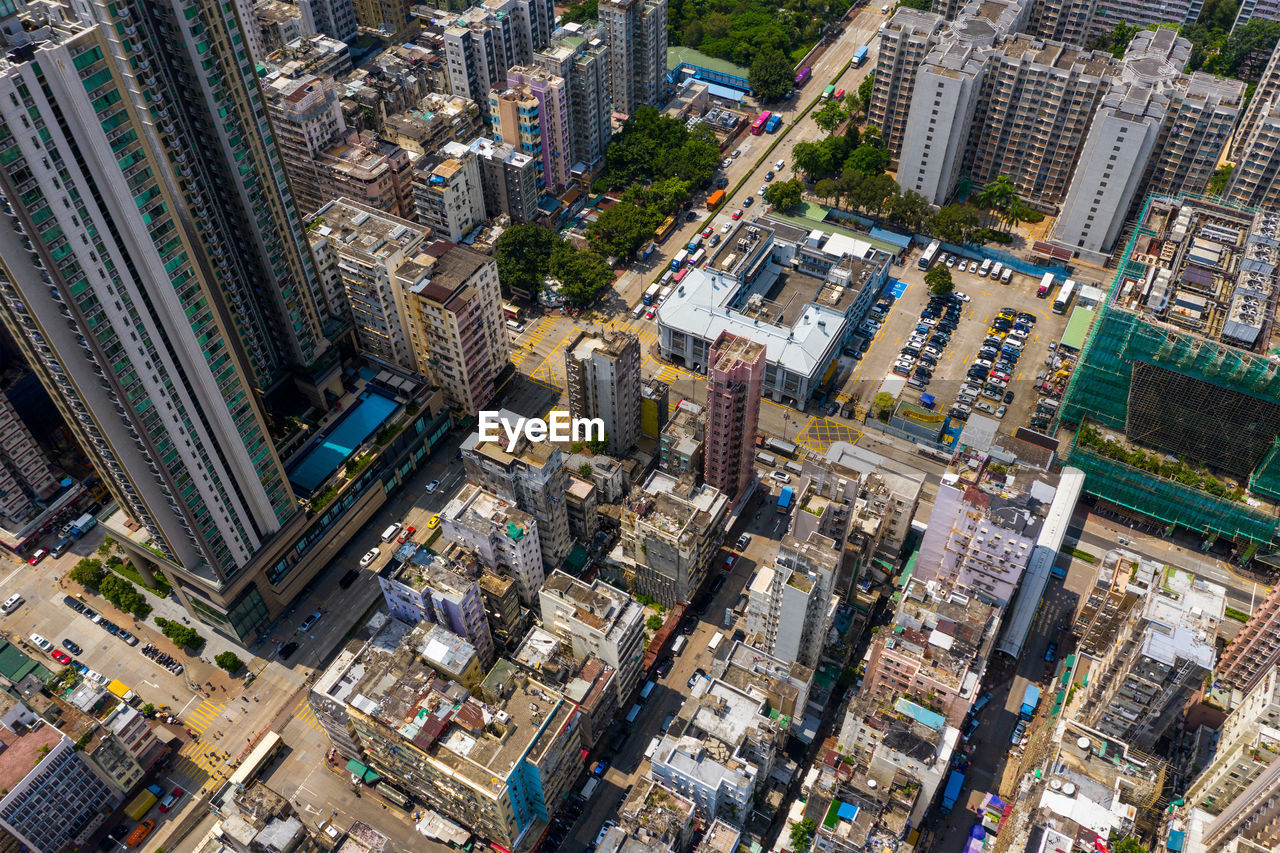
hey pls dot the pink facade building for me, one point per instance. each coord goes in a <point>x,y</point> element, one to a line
<point>552,94</point>
<point>735,374</point>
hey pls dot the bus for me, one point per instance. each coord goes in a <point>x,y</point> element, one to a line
<point>839,94</point>
<point>650,294</point>
<point>1064,297</point>
<point>1045,283</point>
<point>930,255</point>
<point>828,92</point>
<point>802,76</point>
<point>757,126</point>
<point>257,760</point>
<point>512,312</point>
<point>859,56</point>
<point>678,260</point>
<point>664,230</point>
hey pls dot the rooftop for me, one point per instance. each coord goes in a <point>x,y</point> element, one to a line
<point>597,605</point>
<point>365,232</point>
<point>23,746</point>
<point>445,649</point>
<point>657,810</point>
<point>945,630</point>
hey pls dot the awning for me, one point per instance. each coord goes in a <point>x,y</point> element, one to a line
<point>364,774</point>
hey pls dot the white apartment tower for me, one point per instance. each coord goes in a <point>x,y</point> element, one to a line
<point>791,604</point>
<point>447,191</point>
<point>500,534</point>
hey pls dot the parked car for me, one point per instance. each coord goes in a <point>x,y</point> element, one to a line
<point>697,674</point>
<point>60,656</point>
<point>369,557</point>
<point>171,799</point>
<point>72,646</point>
<point>41,643</point>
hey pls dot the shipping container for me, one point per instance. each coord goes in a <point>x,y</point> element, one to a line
<point>859,56</point>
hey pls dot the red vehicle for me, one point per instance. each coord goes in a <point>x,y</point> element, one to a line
<point>737,214</point>
<point>39,555</point>
<point>405,533</point>
<point>60,656</point>
<point>757,126</point>
<point>171,800</point>
<point>729,561</point>
<point>839,94</point>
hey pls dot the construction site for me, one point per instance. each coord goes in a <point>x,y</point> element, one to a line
<point>1175,402</point>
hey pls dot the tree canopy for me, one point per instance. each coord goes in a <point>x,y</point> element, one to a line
<point>652,147</point>
<point>740,30</point>
<point>938,277</point>
<point>784,195</point>
<point>528,254</point>
<point>771,74</point>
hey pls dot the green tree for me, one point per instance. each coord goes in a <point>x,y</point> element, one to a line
<point>1126,844</point>
<point>583,275</point>
<point>866,87</point>
<point>784,195</point>
<point>577,13</point>
<point>920,5</point>
<point>88,573</point>
<point>909,210</point>
<point>124,595</point>
<point>1218,182</point>
<point>955,223</point>
<point>869,160</point>
<point>771,75</point>
<point>830,115</point>
<point>229,661</point>
<point>814,158</point>
<point>654,622</point>
<point>996,197</point>
<point>523,255</point>
<point>182,635</point>
<point>621,230</point>
<point>826,189</point>
<point>802,834</point>
<point>598,445</point>
<point>938,277</point>
<point>1117,41</point>
<point>584,471</point>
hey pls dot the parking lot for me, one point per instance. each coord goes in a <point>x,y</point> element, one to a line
<point>977,305</point>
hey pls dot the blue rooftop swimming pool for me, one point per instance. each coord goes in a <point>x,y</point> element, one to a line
<point>332,449</point>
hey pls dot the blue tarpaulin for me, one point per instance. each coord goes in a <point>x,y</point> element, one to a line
<point>902,241</point>
<point>847,811</point>
<point>1176,839</point>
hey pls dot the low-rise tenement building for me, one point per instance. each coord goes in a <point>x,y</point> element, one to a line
<point>532,476</point>
<point>498,768</point>
<point>434,122</point>
<point>653,813</point>
<point>936,650</point>
<point>892,491</point>
<point>590,683</point>
<point>785,685</point>
<point>443,589</point>
<point>1146,652</point>
<point>597,620</point>
<point>53,795</point>
<point>683,440</point>
<point>583,504</point>
<point>448,654</point>
<point>502,606</point>
<point>502,536</point>
<point>671,529</point>
<point>447,191</point>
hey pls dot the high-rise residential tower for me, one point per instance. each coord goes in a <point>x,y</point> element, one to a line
<point>636,32</point>
<point>603,375</point>
<point>585,65</point>
<point>161,295</point>
<point>555,137</point>
<point>735,373</point>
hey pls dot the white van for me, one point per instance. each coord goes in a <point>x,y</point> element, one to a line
<point>640,309</point>
<point>985,269</point>
<point>884,10</point>
<point>515,326</point>
<point>11,604</point>
<point>715,641</point>
<point>652,748</point>
<point>390,532</point>
<point>997,269</point>
<point>678,646</point>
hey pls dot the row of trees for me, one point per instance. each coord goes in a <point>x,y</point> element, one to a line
<point>529,254</point>
<point>90,574</point>
<point>183,636</point>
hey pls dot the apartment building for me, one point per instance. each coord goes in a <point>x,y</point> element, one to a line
<point>978,541</point>
<point>1069,21</point>
<point>433,122</point>
<point>1248,744</point>
<point>53,798</point>
<point>784,685</point>
<point>448,654</point>
<point>589,683</point>
<point>1255,650</point>
<point>497,768</point>
<point>1147,632</point>
<point>654,814</point>
<point>602,372</point>
<point>454,323</point>
<point>388,19</point>
<point>937,651</point>
<point>533,477</point>
<point>443,589</point>
<point>735,376</point>
<point>636,34</point>
<point>1253,181</point>
<point>1108,13</point>
<point>671,530</point>
<point>584,63</point>
<point>308,119</point>
<point>596,620</point>
<point>316,54</point>
<point>555,136</point>
<point>906,40</point>
<point>791,604</point>
<point>683,440</point>
<point>655,407</point>
<point>484,41</point>
<point>582,499</point>
<point>333,18</point>
<point>502,537</point>
<point>376,641</point>
<point>1155,129</point>
<point>447,192</point>
<point>1267,89</point>
<point>278,24</point>
<point>510,180</point>
<point>359,251</point>
<point>502,606</point>
<point>24,470</point>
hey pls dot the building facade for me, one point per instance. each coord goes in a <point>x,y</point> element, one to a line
<point>603,378</point>
<point>502,537</point>
<point>555,137</point>
<point>636,33</point>
<point>447,191</point>
<point>597,620</point>
<point>735,375</point>
<point>671,530</point>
